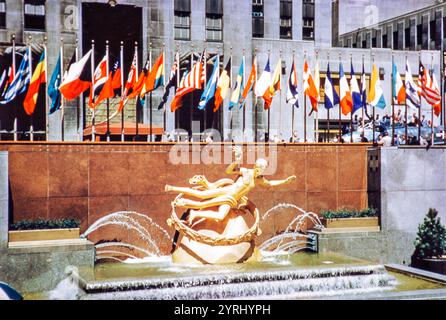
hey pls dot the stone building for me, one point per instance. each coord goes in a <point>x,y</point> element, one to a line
<point>285,28</point>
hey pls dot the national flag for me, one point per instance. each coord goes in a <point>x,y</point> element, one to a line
<point>109,87</point>
<point>100,76</point>
<point>39,77</point>
<point>437,106</point>
<point>53,87</point>
<point>274,86</point>
<point>78,78</point>
<point>172,81</point>
<point>363,87</point>
<point>292,95</point>
<point>376,94</point>
<point>209,90</point>
<point>20,82</point>
<point>429,91</point>
<point>331,96</point>
<point>139,85</point>
<point>117,75</point>
<point>413,91</point>
<point>223,86</point>
<point>356,94</point>
<point>264,82</point>
<point>191,81</point>
<point>317,83</point>
<point>238,89</point>
<point>398,88</point>
<point>345,94</point>
<point>250,84</point>
<point>130,83</point>
<point>309,86</point>
<point>155,78</point>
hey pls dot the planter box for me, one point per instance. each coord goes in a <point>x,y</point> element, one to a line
<point>351,223</point>
<point>41,235</point>
<point>432,265</point>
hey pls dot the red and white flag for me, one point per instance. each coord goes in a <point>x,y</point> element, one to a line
<point>77,79</point>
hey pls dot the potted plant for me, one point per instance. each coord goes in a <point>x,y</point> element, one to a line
<point>350,218</point>
<point>41,229</point>
<point>430,244</point>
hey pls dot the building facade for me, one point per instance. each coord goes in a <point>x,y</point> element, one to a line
<point>283,29</point>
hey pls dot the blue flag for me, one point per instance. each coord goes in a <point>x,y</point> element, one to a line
<point>331,96</point>
<point>21,80</point>
<point>209,91</point>
<point>53,88</point>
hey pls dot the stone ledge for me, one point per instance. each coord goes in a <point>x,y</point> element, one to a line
<point>50,246</point>
<point>417,272</point>
<point>348,230</point>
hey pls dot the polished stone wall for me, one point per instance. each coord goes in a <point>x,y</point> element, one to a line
<point>4,191</point>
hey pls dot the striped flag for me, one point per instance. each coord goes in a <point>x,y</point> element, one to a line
<point>363,87</point>
<point>346,97</point>
<point>223,85</point>
<point>238,89</point>
<point>20,82</point>
<point>209,91</point>
<point>429,90</point>
<point>376,94</point>
<point>356,94</point>
<point>331,96</point>
<point>250,84</point>
<point>39,77</point>
<point>292,96</point>
<point>275,85</point>
<point>309,86</point>
<point>172,81</point>
<point>413,91</point>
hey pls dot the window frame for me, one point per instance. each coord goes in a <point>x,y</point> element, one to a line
<point>38,21</point>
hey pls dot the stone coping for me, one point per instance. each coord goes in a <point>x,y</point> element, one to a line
<point>49,246</point>
<point>417,272</point>
<point>346,230</point>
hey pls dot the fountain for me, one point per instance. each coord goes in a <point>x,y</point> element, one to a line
<point>215,255</point>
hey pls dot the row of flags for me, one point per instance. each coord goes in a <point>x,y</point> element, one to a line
<point>107,81</point>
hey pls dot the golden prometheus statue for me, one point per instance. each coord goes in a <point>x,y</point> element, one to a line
<point>214,229</point>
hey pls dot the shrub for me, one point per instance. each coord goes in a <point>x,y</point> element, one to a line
<point>431,237</point>
<point>45,224</point>
<point>341,214</point>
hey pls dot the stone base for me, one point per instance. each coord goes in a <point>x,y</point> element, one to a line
<point>38,266</point>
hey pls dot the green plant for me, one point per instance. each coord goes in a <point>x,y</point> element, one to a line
<point>345,213</point>
<point>431,237</point>
<point>45,224</point>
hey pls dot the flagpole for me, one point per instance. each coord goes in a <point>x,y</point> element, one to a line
<point>231,114</point>
<point>280,95</point>
<point>164,85</point>
<point>62,99</point>
<point>93,128</point>
<point>244,81</point>
<point>406,109</point>
<point>256,127</point>
<point>392,78</point>
<point>305,107</point>
<point>137,98</point>
<point>269,109</point>
<point>177,117</point>
<point>328,110</point>
<point>351,112</point>
<point>316,114</point>
<point>292,109</point>
<point>150,139</point>
<point>31,126</point>
<point>121,58</point>
<point>205,83</point>
<point>14,75</point>
<point>78,122</point>
<point>419,109</point>
<point>46,89</point>
<point>365,88</point>
<point>373,118</point>
<point>192,95</point>
<point>107,52</point>
<point>340,114</point>
<point>432,107</point>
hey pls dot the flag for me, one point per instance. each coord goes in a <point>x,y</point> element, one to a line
<point>238,89</point>
<point>398,88</point>
<point>331,96</point>
<point>108,89</point>
<point>292,96</point>
<point>172,81</point>
<point>264,82</point>
<point>39,77</point>
<point>155,78</point>
<point>130,83</point>
<point>139,85</point>
<point>376,95</point>
<point>20,82</point>
<point>363,88</point>
<point>309,86</point>
<point>317,83</point>
<point>78,78</point>
<point>53,87</point>
<point>100,76</point>
<point>356,94</point>
<point>437,106</point>
<point>222,87</point>
<point>191,81</point>
<point>413,92</point>
<point>429,91</point>
<point>274,86</point>
<point>250,84</point>
<point>345,94</point>
<point>117,78</point>
<point>209,91</point>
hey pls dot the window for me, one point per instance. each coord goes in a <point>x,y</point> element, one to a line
<point>257,19</point>
<point>35,14</point>
<point>2,13</point>
<point>437,36</point>
<point>349,42</point>
<point>384,42</point>
<point>182,19</point>
<point>286,15</point>
<point>389,37</point>
<point>413,29</point>
<point>400,36</point>
<point>368,40</point>
<point>419,35</point>
<point>425,33</point>
<point>308,20</point>
<point>214,20</point>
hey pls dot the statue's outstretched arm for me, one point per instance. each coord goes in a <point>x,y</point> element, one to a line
<point>234,167</point>
<point>265,182</point>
